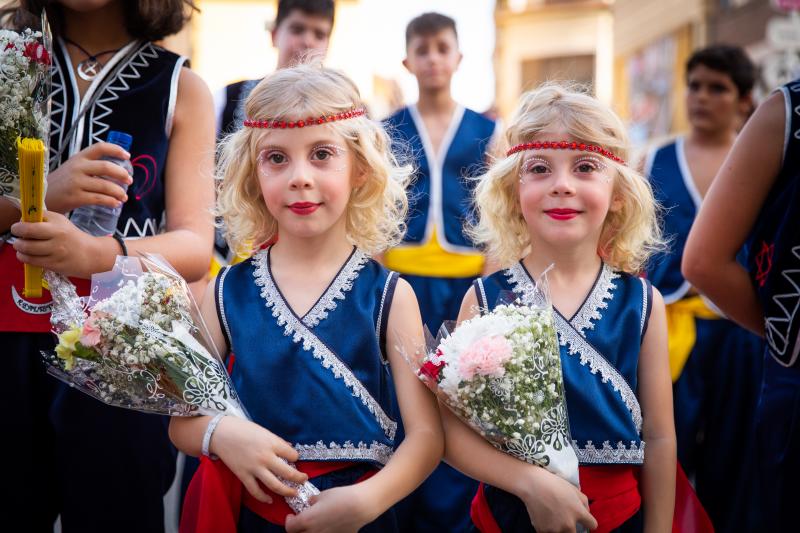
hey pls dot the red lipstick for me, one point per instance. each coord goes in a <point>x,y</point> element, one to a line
<point>303,208</point>
<point>562,214</point>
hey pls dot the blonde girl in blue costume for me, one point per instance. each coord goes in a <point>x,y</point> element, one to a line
<point>316,327</point>
<point>564,196</point>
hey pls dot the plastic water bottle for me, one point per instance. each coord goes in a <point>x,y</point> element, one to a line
<point>99,220</point>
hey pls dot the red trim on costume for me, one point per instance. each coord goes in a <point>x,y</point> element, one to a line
<point>689,516</point>
<point>215,497</point>
<point>613,492</point>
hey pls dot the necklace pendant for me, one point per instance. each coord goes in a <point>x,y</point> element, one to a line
<point>88,69</point>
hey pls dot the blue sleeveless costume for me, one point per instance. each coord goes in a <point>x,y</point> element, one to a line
<point>440,200</point>
<point>68,443</point>
<point>717,391</point>
<point>774,265</point>
<point>440,204</point>
<point>599,357</point>
<point>322,381</point>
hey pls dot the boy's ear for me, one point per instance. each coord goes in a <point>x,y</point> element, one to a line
<point>405,64</point>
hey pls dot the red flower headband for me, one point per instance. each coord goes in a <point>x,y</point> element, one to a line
<point>565,145</point>
<point>283,124</point>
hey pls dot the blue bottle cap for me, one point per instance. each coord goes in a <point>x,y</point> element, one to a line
<point>120,139</point>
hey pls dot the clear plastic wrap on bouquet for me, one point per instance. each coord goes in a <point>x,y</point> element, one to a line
<point>140,343</point>
<point>500,372</point>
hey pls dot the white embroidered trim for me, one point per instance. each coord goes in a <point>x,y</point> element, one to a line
<point>380,453</point>
<point>522,284</point>
<point>610,454</point>
<point>597,300</point>
<point>299,332</point>
<point>485,307</point>
<point>221,304</point>
<point>644,306</point>
<point>378,322</point>
<point>577,344</point>
<point>342,283</point>
<point>131,71</point>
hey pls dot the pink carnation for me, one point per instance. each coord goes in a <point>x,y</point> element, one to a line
<point>485,357</point>
<point>90,335</point>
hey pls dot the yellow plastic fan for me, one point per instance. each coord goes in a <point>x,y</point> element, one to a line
<point>31,179</point>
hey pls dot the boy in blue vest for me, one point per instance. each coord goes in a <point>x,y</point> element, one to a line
<point>449,144</point>
<point>715,364</point>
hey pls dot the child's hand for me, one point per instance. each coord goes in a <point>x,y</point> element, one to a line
<point>554,504</point>
<point>343,509</point>
<point>77,182</point>
<point>255,455</point>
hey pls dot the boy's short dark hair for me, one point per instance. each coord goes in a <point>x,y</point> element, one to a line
<point>318,8</point>
<point>429,24</point>
<point>730,60</point>
<point>149,20</point>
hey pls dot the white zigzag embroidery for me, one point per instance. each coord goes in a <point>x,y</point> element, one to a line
<point>130,71</point>
<point>779,327</point>
<point>609,454</point>
<point>58,114</point>
<point>341,285</point>
<point>597,300</point>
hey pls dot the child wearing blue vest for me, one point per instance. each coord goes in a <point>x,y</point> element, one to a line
<point>317,329</point>
<point>715,364</point>
<point>448,144</point>
<point>564,196</point>
<point>756,198</point>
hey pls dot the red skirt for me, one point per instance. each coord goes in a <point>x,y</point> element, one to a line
<point>215,497</point>
<point>614,497</point>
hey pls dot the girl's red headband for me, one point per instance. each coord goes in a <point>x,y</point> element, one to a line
<point>311,121</point>
<point>565,145</point>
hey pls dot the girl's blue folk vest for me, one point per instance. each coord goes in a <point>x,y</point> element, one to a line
<point>599,357</point>
<point>321,381</point>
<point>774,259</point>
<point>441,195</point>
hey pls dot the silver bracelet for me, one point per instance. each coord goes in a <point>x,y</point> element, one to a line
<point>207,436</point>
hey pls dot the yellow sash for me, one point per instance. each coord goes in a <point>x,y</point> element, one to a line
<point>430,259</point>
<point>682,329</point>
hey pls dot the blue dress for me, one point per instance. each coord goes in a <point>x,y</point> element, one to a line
<point>441,270</point>
<point>774,265</point>
<point>320,381</point>
<point>716,392</point>
<point>599,356</point>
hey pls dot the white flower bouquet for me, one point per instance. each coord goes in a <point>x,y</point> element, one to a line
<point>140,343</point>
<point>25,61</point>
<point>501,374</point>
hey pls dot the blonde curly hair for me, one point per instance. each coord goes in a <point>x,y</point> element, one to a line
<point>630,235</point>
<point>376,209</point>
